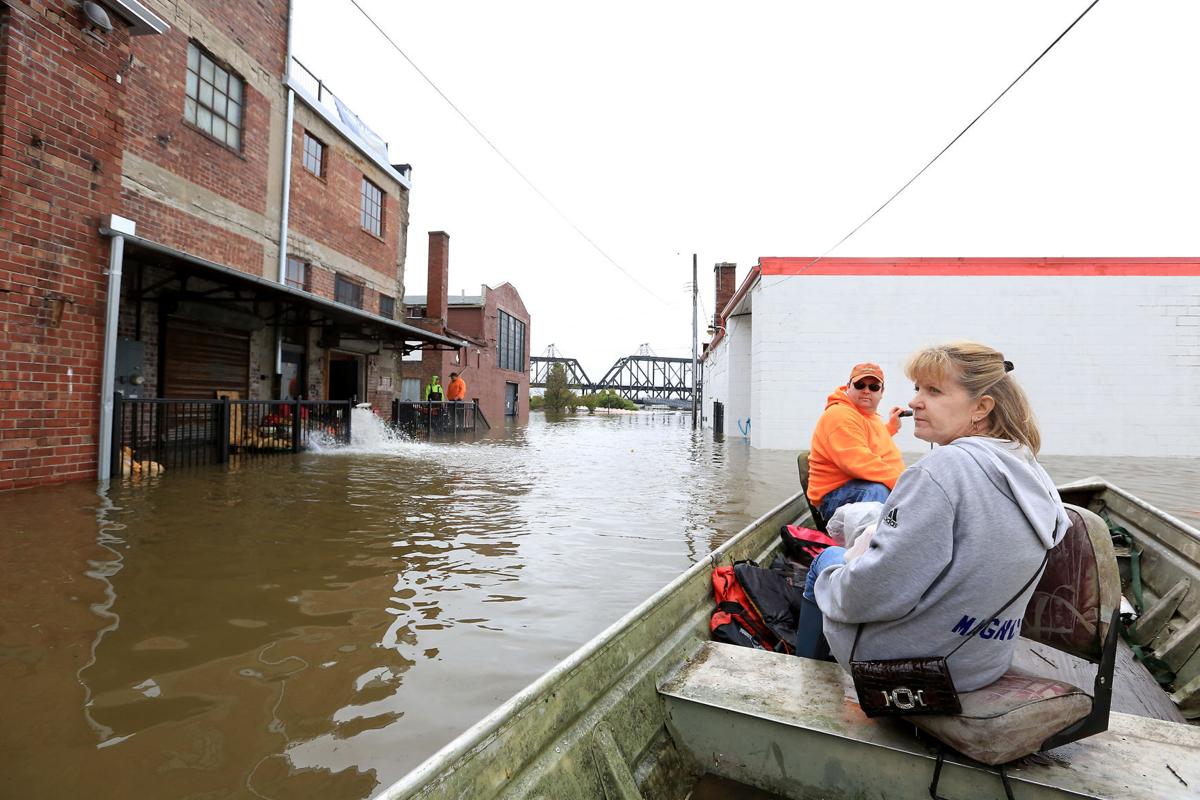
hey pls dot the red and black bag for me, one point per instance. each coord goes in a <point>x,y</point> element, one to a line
<point>774,597</point>
<point>737,619</point>
<point>803,544</point>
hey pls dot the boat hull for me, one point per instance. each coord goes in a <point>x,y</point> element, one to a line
<point>623,717</point>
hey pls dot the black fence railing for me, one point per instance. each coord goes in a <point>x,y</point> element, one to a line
<point>426,419</point>
<point>153,434</point>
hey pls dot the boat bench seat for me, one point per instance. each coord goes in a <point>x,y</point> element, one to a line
<point>1009,718</point>
<point>792,726</point>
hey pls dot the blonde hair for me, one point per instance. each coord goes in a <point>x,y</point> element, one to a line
<point>982,371</point>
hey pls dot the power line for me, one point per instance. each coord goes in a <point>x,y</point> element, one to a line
<point>503,157</point>
<point>921,172</point>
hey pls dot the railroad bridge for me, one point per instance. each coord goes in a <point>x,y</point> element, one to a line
<point>644,377</point>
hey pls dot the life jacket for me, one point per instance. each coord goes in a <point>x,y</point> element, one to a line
<point>803,544</point>
<point>755,615</point>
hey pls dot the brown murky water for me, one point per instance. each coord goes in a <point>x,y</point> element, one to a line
<point>317,625</point>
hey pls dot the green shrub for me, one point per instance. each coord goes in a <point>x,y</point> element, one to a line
<point>610,399</point>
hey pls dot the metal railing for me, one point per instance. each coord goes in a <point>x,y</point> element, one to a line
<point>425,419</point>
<point>151,435</point>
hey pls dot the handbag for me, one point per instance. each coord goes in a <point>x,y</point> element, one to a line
<point>910,686</point>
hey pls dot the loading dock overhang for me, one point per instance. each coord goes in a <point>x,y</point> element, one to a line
<point>278,304</point>
<point>275,304</point>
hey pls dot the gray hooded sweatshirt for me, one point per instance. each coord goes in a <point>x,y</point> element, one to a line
<point>963,530</point>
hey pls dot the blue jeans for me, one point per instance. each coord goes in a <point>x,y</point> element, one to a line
<point>829,557</point>
<point>810,630</point>
<point>855,491</point>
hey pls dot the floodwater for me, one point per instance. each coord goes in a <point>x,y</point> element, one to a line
<point>316,625</point>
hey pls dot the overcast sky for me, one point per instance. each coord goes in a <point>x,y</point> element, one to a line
<point>740,130</point>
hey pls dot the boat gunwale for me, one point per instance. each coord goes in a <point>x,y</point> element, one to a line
<point>1098,483</point>
<point>479,733</point>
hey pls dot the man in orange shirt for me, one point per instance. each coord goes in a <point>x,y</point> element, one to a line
<point>457,388</point>
<point>853,457</point>
<point>456,392</point>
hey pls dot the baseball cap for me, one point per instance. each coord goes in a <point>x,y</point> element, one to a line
<point>866,370</point>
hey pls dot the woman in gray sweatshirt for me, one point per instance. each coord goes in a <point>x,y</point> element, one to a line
<point>963,530</point>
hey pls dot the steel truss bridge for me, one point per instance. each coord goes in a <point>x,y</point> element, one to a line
<point>642,378</point>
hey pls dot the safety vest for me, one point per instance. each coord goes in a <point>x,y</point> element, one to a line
<point>433,390</point>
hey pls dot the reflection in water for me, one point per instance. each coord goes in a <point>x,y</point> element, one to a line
<point>317,625</point>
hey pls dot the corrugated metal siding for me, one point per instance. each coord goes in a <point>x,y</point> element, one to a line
<point>202,361</point>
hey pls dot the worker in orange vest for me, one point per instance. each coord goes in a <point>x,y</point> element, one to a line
<point>456,392</point>
<point>457,389</point>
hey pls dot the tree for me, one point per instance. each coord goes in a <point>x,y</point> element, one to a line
<point>558,398</point>
<point>590,401</point>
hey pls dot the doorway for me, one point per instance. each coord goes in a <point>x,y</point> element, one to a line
<point>510,399</point>
<point>345,376</point>
<point>292,379</point>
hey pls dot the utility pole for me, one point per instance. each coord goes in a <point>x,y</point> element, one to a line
<point>695,334</point>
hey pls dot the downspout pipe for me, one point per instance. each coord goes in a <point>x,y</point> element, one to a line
<point>284,205</point>
<point>116,258</point>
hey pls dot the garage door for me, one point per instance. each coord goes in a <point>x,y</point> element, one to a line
<point>201,361</point>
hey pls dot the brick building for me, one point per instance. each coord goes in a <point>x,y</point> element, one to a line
<point>149,169</point>
<point>494,323</point>
<point>1108,349</point>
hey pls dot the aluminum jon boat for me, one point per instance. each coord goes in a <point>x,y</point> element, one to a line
<point>651,709</point>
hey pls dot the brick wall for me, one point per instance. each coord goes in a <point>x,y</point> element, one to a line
<point>1111,363</point>
<point>325,213</point>
<point>90,127</point>
<point>489,379</point>
<point>727,376</point>
<point>247,38</point>
<point>162,223</point>
<point>60,162</point>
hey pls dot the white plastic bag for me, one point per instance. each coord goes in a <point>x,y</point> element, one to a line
<point>850,520</point>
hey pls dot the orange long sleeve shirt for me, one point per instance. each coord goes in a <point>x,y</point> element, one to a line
<point>457,389</point>
<point>849,444</point>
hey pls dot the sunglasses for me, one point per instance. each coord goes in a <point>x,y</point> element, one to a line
<point>873,386</point>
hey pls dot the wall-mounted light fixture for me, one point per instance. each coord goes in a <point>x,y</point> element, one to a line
<point>97,18</point>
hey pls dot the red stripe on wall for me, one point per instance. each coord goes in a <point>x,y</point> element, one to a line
<point>975,267</point>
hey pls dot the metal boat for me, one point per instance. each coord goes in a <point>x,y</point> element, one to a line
<point>651,709</point>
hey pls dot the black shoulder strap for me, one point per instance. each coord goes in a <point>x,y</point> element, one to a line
<point>988,619</point>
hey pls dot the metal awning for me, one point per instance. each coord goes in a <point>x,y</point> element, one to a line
<point>253,288</point>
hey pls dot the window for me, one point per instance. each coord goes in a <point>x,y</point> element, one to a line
<point>510,343</point>
<point>387,306</point>
<point>410,390</point>
<point>416,312</point>
<point>297,273</point>
<point>372,207</point>
<point>314,155</point>
<point>214,98</point>
<point>347,292</point>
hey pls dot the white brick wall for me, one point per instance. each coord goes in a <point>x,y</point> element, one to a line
<point>716,381</point>
<point>1111,364</point>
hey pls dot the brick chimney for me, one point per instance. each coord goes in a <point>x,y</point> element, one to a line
<point>726,285</point>
<point>439,274</point>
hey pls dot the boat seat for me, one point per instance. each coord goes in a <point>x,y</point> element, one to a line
<point>802,467</point>
<point>1075,609</point>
